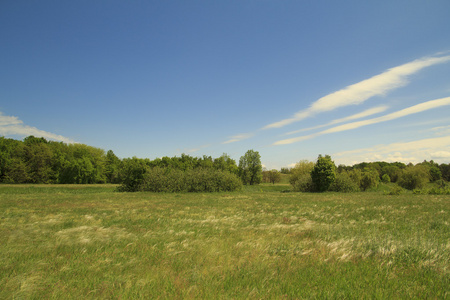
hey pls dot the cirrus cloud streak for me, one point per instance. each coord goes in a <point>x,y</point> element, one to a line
<point>11,125</point>
<point>366,113</point>
<point>395,115</point>
<point>359,92</point>
<point>413,151</point>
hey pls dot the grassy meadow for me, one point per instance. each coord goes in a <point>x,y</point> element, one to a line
<point>89,242</point>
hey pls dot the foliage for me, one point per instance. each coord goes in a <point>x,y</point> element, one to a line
<point>285,170</point>
<point>435,174</point>
<point>169,180</point>
<point>323,174</point>
<point>385,178</point>
<point>369,179</point>
<point>132,173</point>
<point>414,177</point>
<point>300,176</point>
<point>36,160</point>
<point>303,183</point>
<point>302,168</point>
<point>250,167</point>
<point>394,172</point>
<point>272,176</point>
<point>356,176</point>
<point>396,190</point>
<point>344,184</point>
<point>112,165</point>
<point>445,171</point>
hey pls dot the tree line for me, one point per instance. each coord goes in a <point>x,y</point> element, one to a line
<point>323,175</point>
<point>37,160</point>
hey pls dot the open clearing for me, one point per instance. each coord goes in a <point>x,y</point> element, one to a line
<point>68,241</point>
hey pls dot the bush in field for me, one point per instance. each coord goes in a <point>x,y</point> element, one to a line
<point>396,190</point>
<point>323,174</point>
<point>163,180</point>
<point>369,179</point>
<point>271,176</point>
<point>300,176</point>
<point>344,184</point>
<point>356,176</point>
<point>414,177</point>
<point>385,178</point>
<point>364,179</point>
<point>131,174</point>
<point>303,167</point>
<point>435,173</point>
<point>169,180</point>
<point>392,171</point>
<point>209,180</point>
<point>303,183</point>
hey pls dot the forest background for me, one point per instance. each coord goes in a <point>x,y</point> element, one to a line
<point>37,160</point>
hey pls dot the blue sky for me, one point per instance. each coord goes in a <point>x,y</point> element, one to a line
<point>358,80</point>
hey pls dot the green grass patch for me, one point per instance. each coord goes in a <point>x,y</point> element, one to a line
<point>64,242</point>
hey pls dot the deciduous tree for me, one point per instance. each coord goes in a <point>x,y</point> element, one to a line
<point>323,174</point>
<point>250,168</point>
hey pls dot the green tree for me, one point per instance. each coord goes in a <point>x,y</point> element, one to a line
<point>225,163</point>
<point>385,178</point>
<point>369,179</point>
<point>132,171</point>
<point>445,171</point>
<point>38,157</point>
<point>435,173</point>
<point>300,177</point>
<point>343,183</point>
<point>250,168</point>
<point>414,177</point>
<point>18,172</point>
<point>323,174</point>
<point>112,164</point>
<point>285,170</point>
<point>273,176</point>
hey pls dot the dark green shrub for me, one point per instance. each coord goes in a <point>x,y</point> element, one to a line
<point>385,178</point>
<point>303,183</point>
<point>369,179</point>
<point>396,190</point>
<point>164,180</point>
<point>344,184</point>
<point>131,174</point>
<point>301,168</point>
<point>323,174</point>
<point>356,176</point>
<point>435,173</point>
<point>170,180</point>
<point>211,180</point>
<point>414,178</point>
<point>441,183</point>
<point>439,191</point>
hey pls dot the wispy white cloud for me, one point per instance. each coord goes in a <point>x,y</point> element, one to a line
<point>441,130</point>
<point>11,125</point>
<point>413,151</point>
<point>366,113</point>
<point>9,120</point>
<point>239,137</point>
<point>401,113</point>
<point>193,150</point>
<point>359,92</point>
